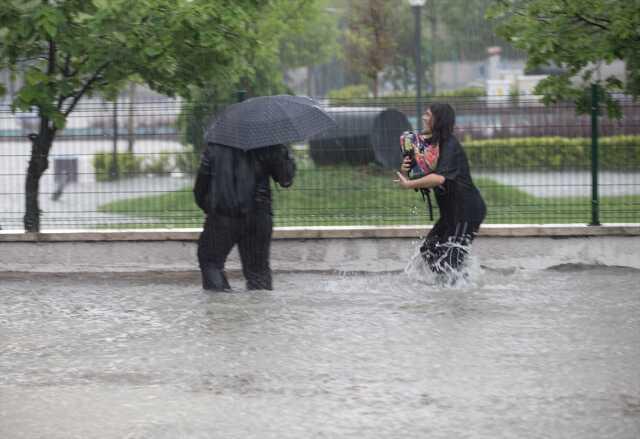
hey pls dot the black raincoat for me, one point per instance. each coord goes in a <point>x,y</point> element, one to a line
<point>233,188</point>
<point>462,211</point>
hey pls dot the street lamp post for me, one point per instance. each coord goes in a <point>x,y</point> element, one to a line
<point>417,5</point>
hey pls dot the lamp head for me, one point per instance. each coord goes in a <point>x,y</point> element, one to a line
<point>417,2</point>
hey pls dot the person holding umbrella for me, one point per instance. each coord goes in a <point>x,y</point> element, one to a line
<point>246,147</point>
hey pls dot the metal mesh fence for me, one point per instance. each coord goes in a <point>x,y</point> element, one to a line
<point>132,164</point>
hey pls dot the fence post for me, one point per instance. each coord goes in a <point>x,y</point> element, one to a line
<point>595,201</point>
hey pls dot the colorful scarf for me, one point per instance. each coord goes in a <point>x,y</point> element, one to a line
<point>424,153</point>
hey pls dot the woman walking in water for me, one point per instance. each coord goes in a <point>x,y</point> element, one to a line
<point>462,208</point>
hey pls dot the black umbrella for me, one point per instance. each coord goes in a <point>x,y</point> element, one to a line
<point>268,120</point>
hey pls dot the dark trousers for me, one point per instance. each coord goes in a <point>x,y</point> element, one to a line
<point>446,247</point>
<point>252,233</point>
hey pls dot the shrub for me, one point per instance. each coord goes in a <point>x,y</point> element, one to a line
<point>553,153</point>
<point>466,92</point>
<point>187,162</point>
<point>159,164</point>
<point>350,92</point>
<point>128,165</point>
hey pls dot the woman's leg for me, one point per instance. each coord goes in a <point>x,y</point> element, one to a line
<point>459,244</point>
<point>446,252</point>
<point>431,250</point>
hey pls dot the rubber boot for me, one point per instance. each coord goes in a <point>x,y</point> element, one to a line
<point>261,281</point>
<point>214,279</point>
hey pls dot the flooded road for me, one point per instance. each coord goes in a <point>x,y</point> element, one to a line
<point>522,354</point>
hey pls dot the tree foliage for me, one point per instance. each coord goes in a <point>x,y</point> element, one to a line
<point>452,30</point>
<point>288,34</point>
<point>578,36</point>
<point>369,38</point>
<point>308,32</point>
<point>463,31</point>
<point>69,49</point>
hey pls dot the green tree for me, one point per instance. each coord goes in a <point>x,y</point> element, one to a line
<point>69,49</point>
<point>312,37</point>
<point>400,70</point>
<point>453,30</point>
<point>578,36</point>
<point>289,34</point>
<point>463,31</point>
<point>369,38</point>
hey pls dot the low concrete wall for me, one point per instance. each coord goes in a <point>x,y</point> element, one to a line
<point>371,249</point>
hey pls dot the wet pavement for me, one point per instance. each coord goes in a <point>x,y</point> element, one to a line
<point>77,206</point>
<point>568,183</point>
<point>510,354</point>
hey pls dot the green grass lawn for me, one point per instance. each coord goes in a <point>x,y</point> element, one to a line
<point>344,195</point>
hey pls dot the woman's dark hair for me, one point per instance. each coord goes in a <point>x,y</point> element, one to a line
<point>444,119</point>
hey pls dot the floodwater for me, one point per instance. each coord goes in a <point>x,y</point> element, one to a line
<point>507,354</point>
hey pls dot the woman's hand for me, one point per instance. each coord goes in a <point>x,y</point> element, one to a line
<point>403,181</point>
<point>403,175</point>
<point>427,182</point>
<point>405,166</point>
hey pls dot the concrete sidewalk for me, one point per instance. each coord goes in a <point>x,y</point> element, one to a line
<point>366,249</point>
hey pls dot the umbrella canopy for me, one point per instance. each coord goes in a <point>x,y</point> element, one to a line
<point>268,120</point>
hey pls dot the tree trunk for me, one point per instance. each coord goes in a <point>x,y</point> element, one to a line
<point>432,65</point>
<point>38,164</point>
<point>130,117</point>
<point>405,77</point>
<point>310,91</point>
<point>374,84</point>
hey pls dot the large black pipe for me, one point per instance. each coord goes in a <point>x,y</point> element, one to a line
<point>362,135</point>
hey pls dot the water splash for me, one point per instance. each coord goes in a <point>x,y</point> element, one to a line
<point>444,275</point>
